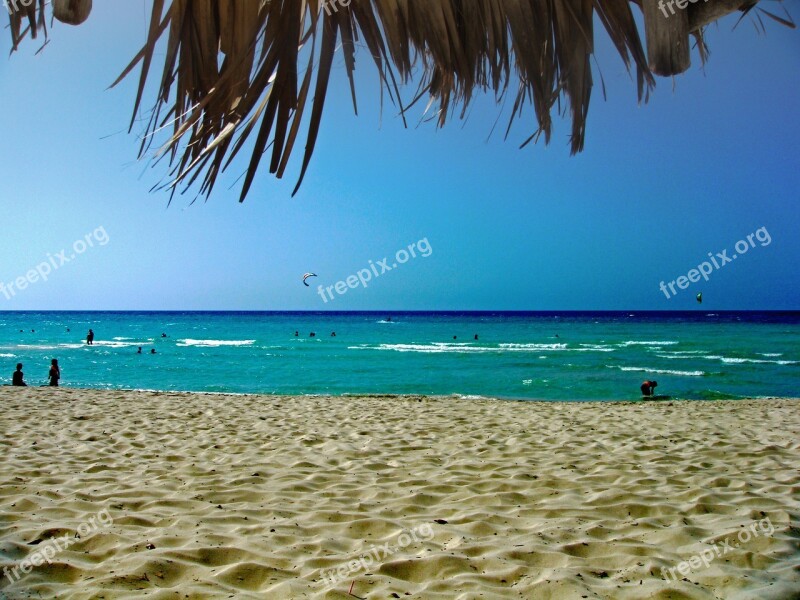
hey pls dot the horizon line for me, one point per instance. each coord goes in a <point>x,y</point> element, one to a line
<point>414,311</point>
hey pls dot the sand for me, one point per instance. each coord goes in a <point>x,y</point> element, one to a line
<point>215,496</point>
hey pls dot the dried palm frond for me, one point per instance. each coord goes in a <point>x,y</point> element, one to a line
<point>247,71</point>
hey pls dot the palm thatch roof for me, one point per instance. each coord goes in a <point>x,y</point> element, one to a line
<point>237,72</point>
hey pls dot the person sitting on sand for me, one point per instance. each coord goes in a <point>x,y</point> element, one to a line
<point>18,379</point>
<point>55,373</point>
<point>648,388</point>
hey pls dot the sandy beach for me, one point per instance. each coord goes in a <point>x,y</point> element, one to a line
<point>166,495</point>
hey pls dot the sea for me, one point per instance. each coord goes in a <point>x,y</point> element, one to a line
<point>576,356</point>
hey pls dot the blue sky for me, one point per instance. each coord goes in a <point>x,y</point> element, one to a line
<point>711,158</point>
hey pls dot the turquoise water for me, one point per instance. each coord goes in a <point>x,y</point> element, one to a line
<point>554,356</point>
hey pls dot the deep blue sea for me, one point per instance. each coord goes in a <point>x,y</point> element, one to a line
<point>551,356</point>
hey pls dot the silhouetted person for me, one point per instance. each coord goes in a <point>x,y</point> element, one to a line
<point>312,334</point>
<point>476,336</point>
<point>648,388</point>
<point>333,334</point>
<point>55,373</point>
<point>153,351</point>
<point>163,335</point>
<point>90,337</point>
<point>139,351</point>
<point>18,378</point>
<point>296,334</point>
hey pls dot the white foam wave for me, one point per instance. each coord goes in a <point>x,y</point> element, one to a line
<point>594,348</point>
<point>40,347</point>
<point>534,346</point>
<point>437,348</point>
<point>646,343</point>
<point>738,361</point>
<point>659,371</point>
<point>7,355</point>
<point>214,343</point>
<point>757,360</point>
<point>467,347</point>
<point>109,344</point>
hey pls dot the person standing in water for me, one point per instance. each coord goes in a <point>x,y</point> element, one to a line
<point>55,373</point>
<point>18,378</point>
<point>90,338</point>
<point>648,388</point>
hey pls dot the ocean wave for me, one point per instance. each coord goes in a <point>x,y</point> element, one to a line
<point>771,354</point>
<point>41,346</point>
<point>646,343</point>
<point>109,344</point>
<point>732,360</point>
<point>758,360</point>
<point>436,348</point>
<point>214,343</point>
<point>534,346</point>
<point>77,345</point>
<point>7,355</point>
<point>659,371</point>
<point>594,348</point>
<point>467,347</point>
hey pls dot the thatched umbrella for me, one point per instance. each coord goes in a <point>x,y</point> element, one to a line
<point>72,12</point>
<point>234,68</point>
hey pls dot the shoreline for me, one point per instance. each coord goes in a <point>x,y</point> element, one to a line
<point>215,495</point>
<point>414,396</point>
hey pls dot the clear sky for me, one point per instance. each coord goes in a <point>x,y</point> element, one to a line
<point>711,158</point>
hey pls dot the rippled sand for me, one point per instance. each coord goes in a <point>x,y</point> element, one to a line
<point>266,497</point>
